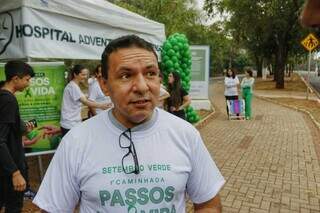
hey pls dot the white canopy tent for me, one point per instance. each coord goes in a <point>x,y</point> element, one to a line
<point>70,29</point>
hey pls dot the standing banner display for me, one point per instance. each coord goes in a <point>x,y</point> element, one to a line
<point>199,72</point>
<point>42,101</point>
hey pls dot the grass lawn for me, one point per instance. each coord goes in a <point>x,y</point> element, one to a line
<point>294,84</point>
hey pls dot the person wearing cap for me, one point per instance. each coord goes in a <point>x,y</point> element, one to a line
<point>12,157</point>
<point>134,157</point>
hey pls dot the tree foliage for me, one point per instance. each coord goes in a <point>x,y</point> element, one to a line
<point>182,16</point>
<point>269,29</point>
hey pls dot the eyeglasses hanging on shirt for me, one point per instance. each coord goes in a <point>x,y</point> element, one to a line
<point>126,142</point>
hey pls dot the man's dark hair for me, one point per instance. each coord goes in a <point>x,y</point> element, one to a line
<point>17,68</point>
<point>123,42</point>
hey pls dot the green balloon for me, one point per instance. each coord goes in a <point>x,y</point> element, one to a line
<point>185,46</point>
<point>171,52</point>
<point>178,55</point>
<point>176,65</point>
<point>185,54</point>
<point>167,46</point>
<point>183,75</point>
<point>173,41</point>
<point>165,58</point>
<point>174,59</point>
<point>184,60</point>
<point>169,64</point>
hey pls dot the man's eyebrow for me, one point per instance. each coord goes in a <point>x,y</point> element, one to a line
<point>124,68</point>
<point>151,66</point>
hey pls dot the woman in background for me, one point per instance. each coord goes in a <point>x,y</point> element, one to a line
<point>73,98</point>
<point>231,83</point>
<point>247,90</point>
<point>164,94</point>
<point>95,92</point>
<point>179,98</point>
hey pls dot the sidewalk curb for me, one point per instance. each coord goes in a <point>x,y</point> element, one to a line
<point>291,107</point>
<point>310,87</point>
<point>205,120</point>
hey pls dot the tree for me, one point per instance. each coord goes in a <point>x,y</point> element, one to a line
<point>266,28</point>
<point>182,16</point>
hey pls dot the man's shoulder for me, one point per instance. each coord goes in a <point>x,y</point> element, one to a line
<point>87,127</point>
<point>172,121</point>
<point>6,96</point>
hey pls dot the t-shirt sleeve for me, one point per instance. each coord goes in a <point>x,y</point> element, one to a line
<point>59,190</point>
<point>205,180</point>
<point>75,92</point>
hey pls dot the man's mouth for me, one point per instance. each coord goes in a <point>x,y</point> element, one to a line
<point>140,102</point>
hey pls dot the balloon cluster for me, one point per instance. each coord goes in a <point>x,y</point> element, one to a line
<point>176,57</point>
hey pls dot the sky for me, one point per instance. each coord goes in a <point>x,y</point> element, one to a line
<point>200,4</point>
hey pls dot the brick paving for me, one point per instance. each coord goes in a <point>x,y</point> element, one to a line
<point>270,162</point>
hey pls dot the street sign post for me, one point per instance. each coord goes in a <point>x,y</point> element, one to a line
<point>309,43</point>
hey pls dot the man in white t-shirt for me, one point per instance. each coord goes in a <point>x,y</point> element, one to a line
<point>134,157</point>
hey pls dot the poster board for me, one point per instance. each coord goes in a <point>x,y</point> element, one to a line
<point>42,101</point>
<point>200,72</point>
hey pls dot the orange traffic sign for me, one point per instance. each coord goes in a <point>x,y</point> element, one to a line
<point>310,42</point>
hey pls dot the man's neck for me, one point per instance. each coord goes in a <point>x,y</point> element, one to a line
<point>9,87</point>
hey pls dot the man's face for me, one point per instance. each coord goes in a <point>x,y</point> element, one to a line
<point>133,84</point>
<point>310,16</point>
<point>21,83</point>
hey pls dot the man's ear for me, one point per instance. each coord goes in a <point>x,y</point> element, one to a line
<point>103,86</point>
<point>14,78</point>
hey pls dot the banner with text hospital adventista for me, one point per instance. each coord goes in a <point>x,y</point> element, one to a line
<point>38,34</point>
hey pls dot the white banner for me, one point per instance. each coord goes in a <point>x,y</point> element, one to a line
<point>200,71</point>
<point>35,33</point>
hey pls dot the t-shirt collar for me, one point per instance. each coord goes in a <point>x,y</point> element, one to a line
<point>141,127</point>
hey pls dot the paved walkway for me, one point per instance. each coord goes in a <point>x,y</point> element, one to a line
<point>270,163</point>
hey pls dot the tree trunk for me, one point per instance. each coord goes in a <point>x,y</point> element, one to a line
<point>259,60</point>
<point>281,59</point>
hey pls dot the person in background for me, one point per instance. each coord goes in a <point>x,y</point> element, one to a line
<point>164,94</point>
<point>12,156</point>
<point>231,83</point>
<point>73,98</point>
<point>135,157</point>
<point>310,15</point>
<point>179,98</point>
<point>96,94</point>
<point>247,91</point>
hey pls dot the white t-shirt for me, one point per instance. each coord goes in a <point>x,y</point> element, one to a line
<point>87,168</point>
<point>95,94</point>
<point>231,86</point>
<point>71,106</point>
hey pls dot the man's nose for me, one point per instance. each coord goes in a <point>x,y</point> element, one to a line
<point>140,84</point>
